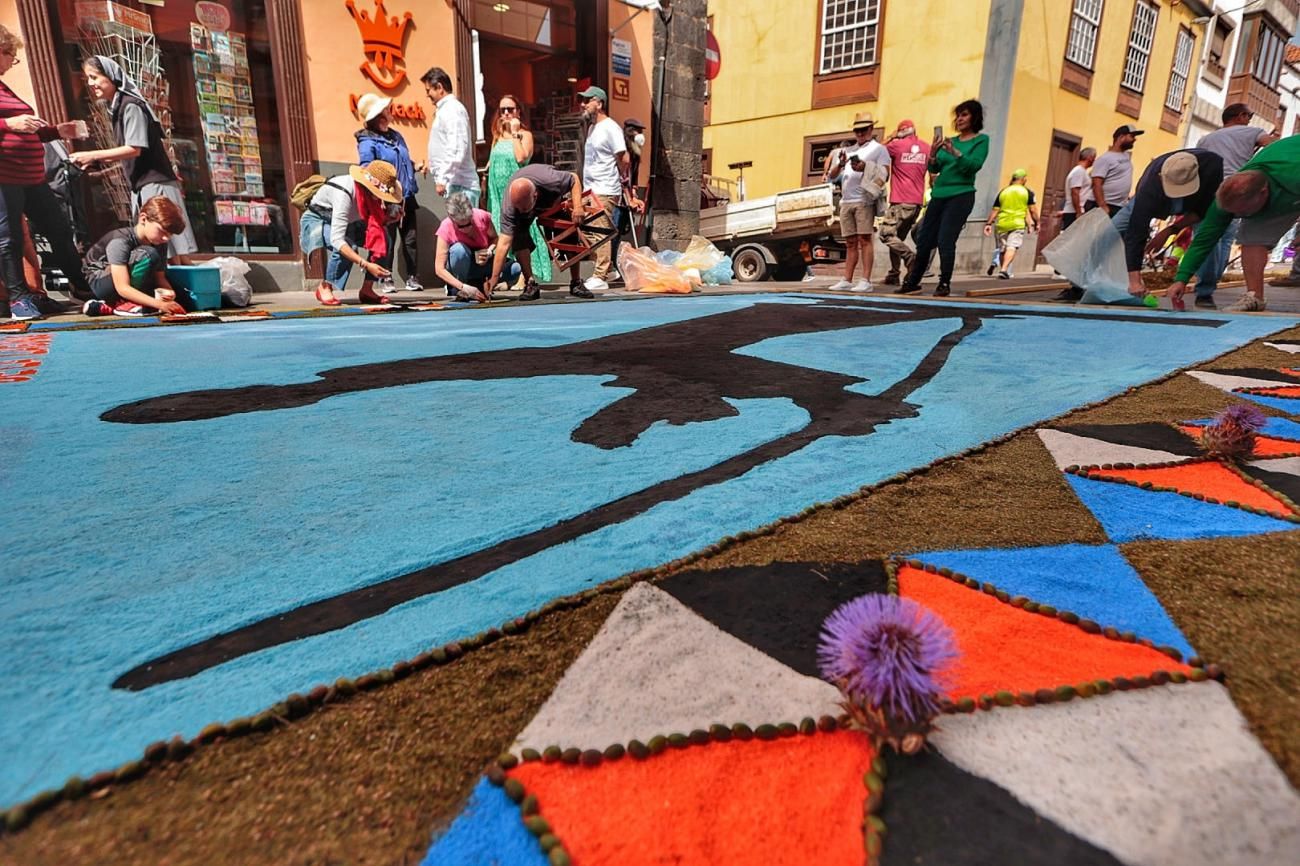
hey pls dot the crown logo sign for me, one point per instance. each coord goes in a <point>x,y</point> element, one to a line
<point>382,39</point>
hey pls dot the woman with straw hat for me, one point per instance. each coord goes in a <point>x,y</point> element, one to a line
<point>348,214</point>
<point>378,140</point>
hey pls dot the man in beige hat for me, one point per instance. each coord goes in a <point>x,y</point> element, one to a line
<point>864,170</point>
<point>350,213</point>
<point>1180,184</point>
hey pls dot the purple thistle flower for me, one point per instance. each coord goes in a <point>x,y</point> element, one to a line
<point>1243,415</point>
<point>888,653</point>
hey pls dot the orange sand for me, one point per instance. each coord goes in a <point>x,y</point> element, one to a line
<point>1265,446</point>
<point>1208,478</point>
<point>722,804</point>
<point>1004,647</point>
<point>1280,391</point>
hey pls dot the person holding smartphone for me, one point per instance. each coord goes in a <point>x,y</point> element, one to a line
<point>954,162</point>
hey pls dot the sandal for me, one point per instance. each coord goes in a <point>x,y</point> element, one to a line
<point>368,295</point>
<point>327,302</point>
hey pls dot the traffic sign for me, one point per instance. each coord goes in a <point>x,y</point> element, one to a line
<point>712,57</point>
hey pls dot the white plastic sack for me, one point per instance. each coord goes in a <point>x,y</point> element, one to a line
<point>234,284</point>
<point>1090,254</point>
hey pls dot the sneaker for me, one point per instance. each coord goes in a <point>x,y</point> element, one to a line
<point>991,269</point>
<point>128,309</point>
<point>24,310</point>
<point>578,290</point>
<point>907,289</point>
<point>531,291</point>
<point>96,307</point>
<point>1205,303</point>
<point>841,286</point>
<point>861,286</point>
<point>593,284</point>
<point>1069,295</point>
<point>890,280</point>
<point>1004,275</point>
<point>413,285</point>
<point>942,290</point>
<point>1247,303</point>
<point>613,277</point>
<point>1287,282</point>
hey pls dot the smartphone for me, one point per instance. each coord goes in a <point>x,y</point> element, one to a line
<point>938,132</point>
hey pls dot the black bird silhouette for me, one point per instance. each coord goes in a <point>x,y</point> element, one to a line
<point>680,372</point>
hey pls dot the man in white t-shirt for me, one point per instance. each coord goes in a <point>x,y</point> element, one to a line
<point>451,142</point>
<point>605,164</point>
<point>864,172</point>
<point>1077,185</point>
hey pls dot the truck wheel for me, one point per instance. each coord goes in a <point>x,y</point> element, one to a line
<point>749,266</point>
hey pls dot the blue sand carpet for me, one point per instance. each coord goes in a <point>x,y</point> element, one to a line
<point>129,541</point>
<point>1289,405</point>
<point>1128,513</point>
<point>1094,581</point>
<point>488,832</point>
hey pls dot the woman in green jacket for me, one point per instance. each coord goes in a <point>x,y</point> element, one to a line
<point>954,162</point>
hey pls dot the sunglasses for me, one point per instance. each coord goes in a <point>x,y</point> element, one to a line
<point>508,109</point>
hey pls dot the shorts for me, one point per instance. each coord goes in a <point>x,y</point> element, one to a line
<point>1265,231</point>
<point>1012,240</point>
<point>182,243</point>
<point>857,218</point>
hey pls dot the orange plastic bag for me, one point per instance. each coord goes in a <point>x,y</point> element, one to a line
<point>641,273</point>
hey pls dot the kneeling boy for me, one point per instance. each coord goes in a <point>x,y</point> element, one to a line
<point>126,268</point>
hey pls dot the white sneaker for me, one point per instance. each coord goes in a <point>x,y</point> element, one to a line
<point>413,285</point>
<point>596,284</point>
<point>1247,303</point>
<point>613,277</point>
<point>861,286</point>
<point>841,286</point>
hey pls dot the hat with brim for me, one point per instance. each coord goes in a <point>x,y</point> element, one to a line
<point>1180,175</point>
<point>1127,129</point>
<point>380,178</point>
<point>371,105</point>
<point>596,93</point>
<point>863,120</point>
<point>633,123</point>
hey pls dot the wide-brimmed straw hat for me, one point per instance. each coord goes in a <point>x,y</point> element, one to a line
<point>371,105</point>
<point>380,178</point>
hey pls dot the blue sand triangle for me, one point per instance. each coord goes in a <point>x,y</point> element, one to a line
<point>1129,513</point>
<point>1290,405</point>
<point>1096,582</point>
<point>488,831</point>
<point>1280,427</point>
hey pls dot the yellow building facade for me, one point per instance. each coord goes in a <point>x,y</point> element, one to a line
<point>1053,75</point>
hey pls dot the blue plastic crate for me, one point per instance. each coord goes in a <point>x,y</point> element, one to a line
<point>200,282</point>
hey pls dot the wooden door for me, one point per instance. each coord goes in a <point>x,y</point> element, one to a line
<point>1060,159</point>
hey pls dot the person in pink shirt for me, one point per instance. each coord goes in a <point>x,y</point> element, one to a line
<point>466,239</point>
<point>908,156</point>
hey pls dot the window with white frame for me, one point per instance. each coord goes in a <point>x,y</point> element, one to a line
<point>850,31</point>
<point>1085,21</point>
<point>1182,68</point>
<point>1139,45</point>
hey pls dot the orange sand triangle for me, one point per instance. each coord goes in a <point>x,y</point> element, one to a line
<point>1206,477</point>
<point>722,804</point>
<point>1006,648</point>
<point>1265,446</point>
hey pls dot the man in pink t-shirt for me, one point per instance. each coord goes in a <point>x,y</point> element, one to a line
<point>466,239</point>
<point>908,156</point>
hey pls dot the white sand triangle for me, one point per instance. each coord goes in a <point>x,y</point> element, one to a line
<point>1292,348</point>
<point>1069,449</point>
<point>657,667</point>
<point>1165,776</point>
<point>1287,465</point>
<point>1227,383</point>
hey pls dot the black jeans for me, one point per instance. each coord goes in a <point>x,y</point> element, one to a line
<point>943,222</point>
<point>410,240</point>
<point>42,209</point>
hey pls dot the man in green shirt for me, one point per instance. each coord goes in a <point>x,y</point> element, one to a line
<point>1014,213</point>
<point>1266,195</point>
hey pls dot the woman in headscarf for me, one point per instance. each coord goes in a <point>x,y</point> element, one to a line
<point>378,140</point>
<point>23,192</point>
<point>140,146</point>
<point>512,148</point>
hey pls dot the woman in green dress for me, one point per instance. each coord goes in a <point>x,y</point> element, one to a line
<point>512,148</point>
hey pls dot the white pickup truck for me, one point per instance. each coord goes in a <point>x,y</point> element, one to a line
<point>777,235</point>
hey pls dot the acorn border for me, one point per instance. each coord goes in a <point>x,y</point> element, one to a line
<point>296,705</point>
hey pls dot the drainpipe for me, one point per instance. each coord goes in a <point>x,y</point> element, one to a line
<point>1208,25</point>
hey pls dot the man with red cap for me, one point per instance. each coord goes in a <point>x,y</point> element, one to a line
<point>908,156</point>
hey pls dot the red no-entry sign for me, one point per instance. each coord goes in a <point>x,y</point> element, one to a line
<point>712,57</point>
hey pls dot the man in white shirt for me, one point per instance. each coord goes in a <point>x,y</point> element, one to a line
<point>1077,185</point>
<point>451,140</point>
<point>605,164</point>
<point>865,171</point>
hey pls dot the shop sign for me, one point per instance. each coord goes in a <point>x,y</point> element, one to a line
<point>109,11</point>
<point>622,89</point>
<point>211,15</point>
<point>382,39</point>
<point>621,56</point>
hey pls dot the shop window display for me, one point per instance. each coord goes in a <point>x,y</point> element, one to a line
<point>205,67</point>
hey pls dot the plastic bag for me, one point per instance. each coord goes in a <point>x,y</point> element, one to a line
<point>642,273</point>
<point>234,283</point>
<point>720,274</point>
<point>699,254</point>
<point>1090,254</point>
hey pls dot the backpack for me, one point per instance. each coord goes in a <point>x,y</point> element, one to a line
<point>303,192</point>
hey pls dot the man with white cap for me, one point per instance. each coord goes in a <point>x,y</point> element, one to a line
<point>1180,184</point>
<point>865,169</point>
<point>604,165</point>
